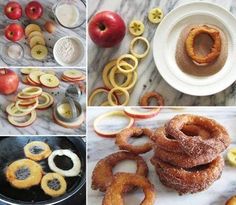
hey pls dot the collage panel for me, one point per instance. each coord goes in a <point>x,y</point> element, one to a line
<point>155,150</point>
<point>179,53</point>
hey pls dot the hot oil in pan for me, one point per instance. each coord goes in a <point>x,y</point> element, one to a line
<point>11,149</point>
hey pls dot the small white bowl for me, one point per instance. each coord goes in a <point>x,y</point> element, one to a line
<point>80,51</point>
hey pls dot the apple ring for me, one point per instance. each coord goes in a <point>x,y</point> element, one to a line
<point>74,171</point>
<point>32,91</point>
<point>37,150</point>
<point>27,102</point>
<point>105,73</point>
<point>27,109</point>
<point>142,115</point>
<point>28,122</point>
<point>124,135</point>
<point>130,67</point>
<point>118,89</point>
<point>132,44</point>
<point>215,50</point>
<point>231,156</point>
<point>48,101</point>
<point>109,114</point>
<point>144,101</point>
<point>22,96</point>
<point>24,173</point>
<point>53,184</point>
<point>13,111</point>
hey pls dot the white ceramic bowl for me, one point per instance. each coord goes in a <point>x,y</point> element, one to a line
<point>80,52</point>
<point>165,41</point>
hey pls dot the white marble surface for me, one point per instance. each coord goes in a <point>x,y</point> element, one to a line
<point>149,78</point>
<point>44,124</point>
<point>50,38</point>
<point>217,194</point>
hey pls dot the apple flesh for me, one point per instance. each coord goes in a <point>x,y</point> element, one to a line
<point>34,10</point>
<point>107,29</point>
<point>9,81</point>
<point>13,10</point>
<point>14,32</point>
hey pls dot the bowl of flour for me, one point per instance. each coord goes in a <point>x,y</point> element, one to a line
<point>68,51</point>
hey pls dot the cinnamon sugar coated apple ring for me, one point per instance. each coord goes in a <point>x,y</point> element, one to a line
<point>24,173</point>
<point>109,114</point>
<point>102,176</point>
<point>37,150</point>
<point>195,145</point>
<point>124,135</point>
<point>120,65</point>
<point>216,47</point>
<point>132,44</point>
<point>114,193</point>
<point>231,201</point>
<point>189,180</point>
<point>144,101</point>
<point>118,89</point>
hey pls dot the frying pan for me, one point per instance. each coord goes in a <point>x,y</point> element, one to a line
<point>11,149</point>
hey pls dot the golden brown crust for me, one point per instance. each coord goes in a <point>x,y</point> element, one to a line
<point>189,181</point>
<point>215,50</point>
<point>102,174</point>
<point>122,140</point>
<point>231,201</point>
<point>114,194</point>
<point>144,100</point>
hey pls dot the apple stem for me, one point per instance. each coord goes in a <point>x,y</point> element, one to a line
<point>5,70</point>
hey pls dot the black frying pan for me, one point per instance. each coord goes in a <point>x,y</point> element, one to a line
<point>11,149</point>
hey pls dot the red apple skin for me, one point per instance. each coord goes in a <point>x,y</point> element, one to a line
<point>34,10</point>
<point>14,32</point>
<point>9,81</point>
<point>107,29</point>
<point>13,10</point>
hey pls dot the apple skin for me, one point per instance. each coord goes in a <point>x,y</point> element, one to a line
<point>9,81</point>
<point>13,10</point>
<point>107,29</point>
<point>14,32</point>
<point>34,10</point>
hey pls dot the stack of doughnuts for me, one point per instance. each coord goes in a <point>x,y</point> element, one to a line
<point>187,154</point>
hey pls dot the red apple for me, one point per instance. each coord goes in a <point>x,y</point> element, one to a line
<point>13,10</point>
<point>14,32</point>
<point>34,10</point>
<point>107,29</point>
<point>9,81</point>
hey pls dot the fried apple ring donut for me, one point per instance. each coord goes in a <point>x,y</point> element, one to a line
<point>114,193</point>
<point>122,140</point>
<point>215,50</point>
<point>195,145</point>
<point>37,150</point>
<point>24,173</point>
<point>189,180</point>
<point>53,184</point>
<point>168,143</point>
<point>102,174</point>
<point>231,201</point>
<point>144,100</point>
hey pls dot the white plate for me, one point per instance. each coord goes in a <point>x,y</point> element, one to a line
<point>165,41</point>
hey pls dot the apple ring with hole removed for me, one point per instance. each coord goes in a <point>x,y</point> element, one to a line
<point>125,67</point>
<point>118,89</point>
<point>73,74</point>
<point>106,72</point>
<point>49,81</point>
<point>74,171</point>
<point>32,91</point>
<point>37,150</point>
<point>47,101</point>
<point>34,76</point>
<point>12,120</point>
<point>24,173</point>
<point>53,184</point>
<point>26,109</point>
<point>30,28</point>
<point>134,42</point>
<point>27,71</point>
<point>110,114</point>
<point>98,91</point>
<point>151,112</point>
<point>15,112</point>
<point>27,102</point>
<point>22,96</point>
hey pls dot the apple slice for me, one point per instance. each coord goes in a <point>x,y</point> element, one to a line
<point>30,82</point>
<point>37,40</point>
<point>39,52</point>
<point>35,33</point>
<point>73,74</point>
<point>52,72</point>
<point>30,28</point>
<point>136,113</point>
<point>32,91</point>
<point>26,123</point>
<point>49,81</point>
<point>34,76</point>
<point>26,109</point>
<point>27,71</point>
<point>47,101</point>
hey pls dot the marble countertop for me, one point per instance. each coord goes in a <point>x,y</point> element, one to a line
<point>149,77</point>
<point>44,124</point>
<point>217,194</point>
<point>50,38</point>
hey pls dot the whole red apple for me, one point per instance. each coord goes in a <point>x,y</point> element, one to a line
<point>13,10</point>
<point>107,29</point>
<point>9,81</point>
<point>14,32</point>
<point>34,10</point>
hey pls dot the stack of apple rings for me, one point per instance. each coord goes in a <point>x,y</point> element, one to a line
<point>27,101</point>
